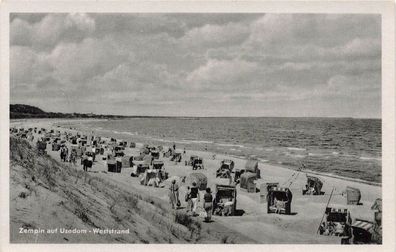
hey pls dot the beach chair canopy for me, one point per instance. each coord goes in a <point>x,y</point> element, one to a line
<point>200,179</point>
<point>198,160</point>
<point>158,164</point>
<point>337,214</point>
<point>148,159</point>
<point>111,161</point>
<point>127,161</point>
<point>271,185</point>
<point>176,157</point>
<point>144,150</point>
<point>353,195</point>
<point>363,224</point>
<point>377,205</point>
<point>313,181</point>
<point>280,193</point>
<point>315,184</point>
<point>247,181</point>
<point>227,164</point>
<point>249,176</point>
<point>225,191</point>
<point>155,154</point>
<point>150,173</point>
<point>251,165</point>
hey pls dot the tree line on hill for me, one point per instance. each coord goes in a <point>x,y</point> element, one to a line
<point>21,111</point>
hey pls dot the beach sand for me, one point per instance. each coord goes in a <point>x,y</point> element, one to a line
<point>299,227</point>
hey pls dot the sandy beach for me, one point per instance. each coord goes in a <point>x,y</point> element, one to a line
<point>255,225</point>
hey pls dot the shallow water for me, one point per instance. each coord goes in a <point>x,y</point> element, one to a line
<point>342,146</point>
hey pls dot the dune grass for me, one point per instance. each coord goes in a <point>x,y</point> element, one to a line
<point>124,207</point>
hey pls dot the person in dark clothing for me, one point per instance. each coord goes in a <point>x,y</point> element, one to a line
<point>208,204</point>
<point>62,153</point>
<point>195,198</point>
<point>85,162</point>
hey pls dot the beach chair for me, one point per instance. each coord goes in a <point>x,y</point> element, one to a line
<point>337,222</point>
<point>313,186</point>
<point>279,200</point>
<point>225,200</point>
<point>362,231</point>
<point>247,182</point>
<point>353,196</point>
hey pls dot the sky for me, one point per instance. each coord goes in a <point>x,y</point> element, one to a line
<point>298,65</point>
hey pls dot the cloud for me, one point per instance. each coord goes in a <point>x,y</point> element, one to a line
<point>307,37</point>
<point>216,35</point>
<point>301,64</point>
<point>50,30</point>
<point>27,66</point>
<point>222,74</point>
<point>84,60</point>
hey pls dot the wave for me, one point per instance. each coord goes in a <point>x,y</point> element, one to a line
<point>370,158</point>
<point>128,133</point>
<point>231,145</point>
<point>263,160</point>
<point>296,155</point>
<point>296,149</point>
<point>316,154</point>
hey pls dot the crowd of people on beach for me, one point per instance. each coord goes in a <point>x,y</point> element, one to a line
<point>67,156</point>
<point>192,198</point>
<point>87,154</point>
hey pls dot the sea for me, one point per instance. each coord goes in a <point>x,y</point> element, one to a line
<point>345,147</point>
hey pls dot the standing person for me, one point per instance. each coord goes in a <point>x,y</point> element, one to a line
<point>65,156</point>
<point>208,204</point>
<point>70,156</point>
<point>188,199</point>
<point>63,151</point>
<point>194,192</point>
<point>93,153</point>
<point>73,155</point>
<point>84,162</point>
<point>89,162</point>
<point>174,146</point>
<point>174,194</point>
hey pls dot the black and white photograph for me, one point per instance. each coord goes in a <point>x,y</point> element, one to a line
<point>195,128</point>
